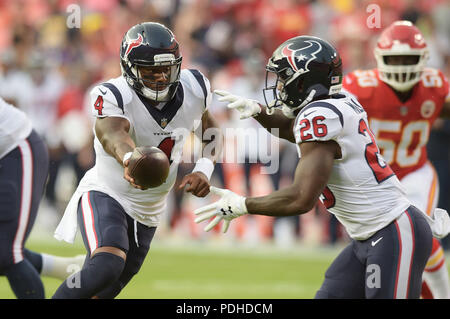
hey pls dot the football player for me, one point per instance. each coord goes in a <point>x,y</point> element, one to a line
<point>23,172</point>
<point>402,98</point>
<point>145,106</point>
<point>339,158</point>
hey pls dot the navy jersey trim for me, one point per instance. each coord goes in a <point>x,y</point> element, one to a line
<point>116,93</point>
<point>198,76</point>
<point>168,112</point>
<point>338,96</point>
<point>325,105</point>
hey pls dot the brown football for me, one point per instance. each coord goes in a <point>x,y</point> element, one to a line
<point>149,166</point>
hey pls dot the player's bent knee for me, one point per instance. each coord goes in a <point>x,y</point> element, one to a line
<point>102,270</point>
<point>108,267</point>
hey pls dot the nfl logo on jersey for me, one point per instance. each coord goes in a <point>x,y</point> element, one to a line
<point>163,122</point>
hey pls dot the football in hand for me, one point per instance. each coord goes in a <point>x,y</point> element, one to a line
<point>149,166</point>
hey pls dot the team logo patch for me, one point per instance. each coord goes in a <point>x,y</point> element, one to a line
<point>134,44</point>
<point>299,58</point>
<point>427,109</point>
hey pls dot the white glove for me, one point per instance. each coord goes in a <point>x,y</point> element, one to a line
<point>247,107</point>
<point>228,207</point>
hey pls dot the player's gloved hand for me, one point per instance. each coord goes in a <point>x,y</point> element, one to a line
<point>246,107</point>
<point>227,208</point>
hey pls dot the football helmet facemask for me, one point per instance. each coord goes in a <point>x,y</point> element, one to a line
<point>401,41</point>
<point>151,61</point>
<point>301,70</point>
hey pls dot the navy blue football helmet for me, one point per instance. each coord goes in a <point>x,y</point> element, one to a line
<point>151,61</point>
<point>301,70</point>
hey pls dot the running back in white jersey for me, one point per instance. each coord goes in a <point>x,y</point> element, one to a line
<point>14,127</point>
<point>149,126</point>
<point>362,192</point>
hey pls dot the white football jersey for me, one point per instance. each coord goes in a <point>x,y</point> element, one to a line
<point>14,127</point>
<point>166,127</point>
<point>362,192</point>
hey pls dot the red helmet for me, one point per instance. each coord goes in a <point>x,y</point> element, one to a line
<point>401,38</point>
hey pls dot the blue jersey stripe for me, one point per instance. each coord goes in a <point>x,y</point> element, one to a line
<point>198,76</point>
<point>116,93</point>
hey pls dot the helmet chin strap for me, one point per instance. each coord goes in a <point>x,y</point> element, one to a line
<point>289,111</point>
<point>155,95</point>
<point>270,109</point>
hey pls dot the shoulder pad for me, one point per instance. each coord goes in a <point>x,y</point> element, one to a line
<point>318,121</point>
<point>436,80</point>
<point>324,108</point>
<point>116,91</point>
<point>109,98</point>
<point>198,84</point>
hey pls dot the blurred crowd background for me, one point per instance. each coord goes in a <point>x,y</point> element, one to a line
<point>47,68</point>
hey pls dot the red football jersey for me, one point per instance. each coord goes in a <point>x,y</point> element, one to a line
<point>401,129</point>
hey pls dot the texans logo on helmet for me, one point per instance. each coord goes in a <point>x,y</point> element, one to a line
<point>300,58</point>
<point>134,43</point>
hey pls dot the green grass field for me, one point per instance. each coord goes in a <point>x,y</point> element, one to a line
<point>208,271</point>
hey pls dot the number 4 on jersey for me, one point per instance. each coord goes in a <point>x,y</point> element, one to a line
<point>98,105</point>
<point>381,170</point>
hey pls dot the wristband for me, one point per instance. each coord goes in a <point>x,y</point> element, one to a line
<point>126,157</point>
<point>204,165</point>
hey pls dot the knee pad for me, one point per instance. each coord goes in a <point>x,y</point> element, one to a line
<point>131,268</point>
<point>105,267</point>
<point>102,270</point>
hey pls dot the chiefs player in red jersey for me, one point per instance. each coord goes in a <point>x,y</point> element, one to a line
<point>403,98</point>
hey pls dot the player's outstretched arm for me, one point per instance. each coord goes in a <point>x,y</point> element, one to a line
<point>311,176</point>
<point>212,144</point>
<point>251,108</point>
<point>112,132</point>
<point>212,138</point>
<point>277,120</point>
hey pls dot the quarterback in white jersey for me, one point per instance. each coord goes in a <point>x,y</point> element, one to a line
<point>153,103</point>
<point>163,128</point>
<point>340,162</point>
